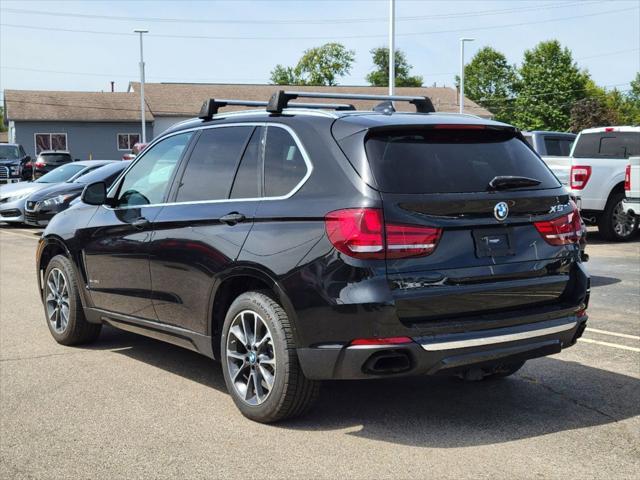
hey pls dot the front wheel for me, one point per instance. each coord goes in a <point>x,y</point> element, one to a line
<point>62,305</point>
<point>614,223</point>
<point>260,362</point>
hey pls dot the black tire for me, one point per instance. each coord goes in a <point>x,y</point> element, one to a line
<point>292,394</point>
<point>609,223</point>
<point>77,330</point>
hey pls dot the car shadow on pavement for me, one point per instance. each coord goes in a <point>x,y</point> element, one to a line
<point>548,395</point>
<point>600,281</point>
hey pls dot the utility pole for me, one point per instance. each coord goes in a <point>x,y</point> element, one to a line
<point>142,105</point>
<point>392,46</point>
<point>462,41</point>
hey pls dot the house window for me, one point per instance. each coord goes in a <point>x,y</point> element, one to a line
<point>50,141</point>
<point>126,141</point>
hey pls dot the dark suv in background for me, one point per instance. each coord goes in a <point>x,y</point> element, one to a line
<point>13,163</point>
<point>298,245</point>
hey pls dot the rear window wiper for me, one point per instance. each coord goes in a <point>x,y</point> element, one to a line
<point>505,182</point>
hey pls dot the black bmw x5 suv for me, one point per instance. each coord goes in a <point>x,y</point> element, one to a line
<point>297,245</point>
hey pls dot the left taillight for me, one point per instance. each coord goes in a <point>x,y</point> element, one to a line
<point>563,230</point>
<point>363,233</point>
<point>627,178</point>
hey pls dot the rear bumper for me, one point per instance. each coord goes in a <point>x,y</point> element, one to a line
<point>631,206</point>
<point>442,354</point>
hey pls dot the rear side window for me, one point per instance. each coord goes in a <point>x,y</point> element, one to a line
<point>450,161</point>
<point>284,165</point>
<point>607,145</point>
<point>212,164</point>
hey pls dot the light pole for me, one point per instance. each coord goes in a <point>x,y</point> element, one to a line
<point>392,46</point>
<point>462,40</point>
<point>142,109</point>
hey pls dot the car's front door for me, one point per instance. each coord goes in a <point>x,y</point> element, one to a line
<point>199,234</point>
<point>116,252</point>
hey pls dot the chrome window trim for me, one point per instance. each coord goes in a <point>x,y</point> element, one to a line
<point>303,152</point>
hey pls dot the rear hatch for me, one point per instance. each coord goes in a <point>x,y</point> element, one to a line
<point>505,227</point>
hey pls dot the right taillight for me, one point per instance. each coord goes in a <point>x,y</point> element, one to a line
<point>627,178</point>
<point>579,176</point>
<point>40,164</point>
<point>563,230</point>
<point>363,233</point>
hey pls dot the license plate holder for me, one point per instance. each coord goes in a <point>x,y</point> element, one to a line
<point>493,242</point>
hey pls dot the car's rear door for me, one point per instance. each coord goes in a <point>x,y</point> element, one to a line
<point>485,254</point>
<point>198,235</point>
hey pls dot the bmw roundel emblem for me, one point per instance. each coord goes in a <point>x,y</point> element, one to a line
<point>500,211</point>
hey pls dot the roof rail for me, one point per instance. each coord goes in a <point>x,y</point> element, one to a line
<point>281,98</point>
<point>210,107</point>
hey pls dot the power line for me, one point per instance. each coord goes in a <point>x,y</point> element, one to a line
<point>325,37</point>
<point>302,21</point>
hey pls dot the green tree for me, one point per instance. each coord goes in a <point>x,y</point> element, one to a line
<point>549,84</point>
<point>317,66</point>
<point>2,125</point>
<point>380,76</point>
<point>591,112</point>
<point>489,80</point>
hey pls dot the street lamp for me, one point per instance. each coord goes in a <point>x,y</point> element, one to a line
<point>142,109</point>
<point>392,46</point>
<point>462,40</point>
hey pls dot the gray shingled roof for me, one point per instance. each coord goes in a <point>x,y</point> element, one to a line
<point>38,105</point>
<point>185,99</point>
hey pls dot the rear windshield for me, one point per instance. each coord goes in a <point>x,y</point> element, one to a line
<point>451,161</point>
<point>607,145</point>
<point>56,157</point>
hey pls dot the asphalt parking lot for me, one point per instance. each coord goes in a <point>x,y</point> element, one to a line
<point>131,407</point>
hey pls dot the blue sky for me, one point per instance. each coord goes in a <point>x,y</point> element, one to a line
<point>248,38</point>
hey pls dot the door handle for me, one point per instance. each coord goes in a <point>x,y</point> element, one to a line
<point>233,218</point>
<point>140,223</point>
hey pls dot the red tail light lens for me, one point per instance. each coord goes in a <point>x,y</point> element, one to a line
<point>381,341</point>
<point>562,230</point>
<point>40,164</point>
<point>362,233</point>
<point>579,176</point>
<point>627,178</point>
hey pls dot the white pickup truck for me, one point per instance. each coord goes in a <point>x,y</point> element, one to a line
<point>631,203</point>
<point>598,161</point>
<point>554,148</point>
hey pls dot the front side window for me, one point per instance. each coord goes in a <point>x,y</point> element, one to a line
<point>284,165</point>
<point>148,180</point>
<point>212,164</point>
<point>126,141</point>
<point>50,141</point>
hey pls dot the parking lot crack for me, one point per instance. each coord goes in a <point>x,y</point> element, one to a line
<point>568,397</point>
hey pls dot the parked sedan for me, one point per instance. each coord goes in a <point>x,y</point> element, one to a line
<point>13,196</point>
<point>42,205</point>
<point>49,160</point>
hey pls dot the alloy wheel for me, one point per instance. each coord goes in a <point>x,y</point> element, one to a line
<point>57,300</point>
<point>623,224</point>
<point>251,357</point>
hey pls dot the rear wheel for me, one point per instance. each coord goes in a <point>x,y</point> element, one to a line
<point>614,223</point>
<point>260,362</point>
<point>62,305</point>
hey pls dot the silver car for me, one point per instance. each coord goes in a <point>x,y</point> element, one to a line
<point>13,196</point>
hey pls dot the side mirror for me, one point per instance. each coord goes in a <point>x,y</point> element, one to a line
<point>95,193</point>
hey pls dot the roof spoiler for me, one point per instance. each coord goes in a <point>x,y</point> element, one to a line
<point>210,107</point>
<point>280,100</point>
